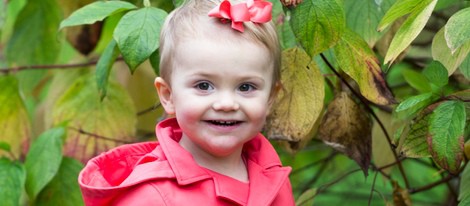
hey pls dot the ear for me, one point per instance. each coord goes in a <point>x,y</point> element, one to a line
<point>164,94</point>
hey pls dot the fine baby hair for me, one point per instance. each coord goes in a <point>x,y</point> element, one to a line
<point>191,21</point>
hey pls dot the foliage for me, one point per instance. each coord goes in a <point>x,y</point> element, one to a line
<point>381,87</point>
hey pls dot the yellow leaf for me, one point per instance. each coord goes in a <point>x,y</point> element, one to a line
<point>14,121</point>
<point>360,63</point>
<point>94,126</point>
<point>299,105</point>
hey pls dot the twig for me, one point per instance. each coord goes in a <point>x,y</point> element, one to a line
<point>430,186</point>
<point>317,176</point>
<point>373,187</point>
<point>52,66</point>
<point>325,186</point>
<point>314,163</point>
<point>154,107</point>
<point>99,136</point>
<point>366,105</point>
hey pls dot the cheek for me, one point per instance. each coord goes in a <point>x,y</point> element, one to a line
<point>257,109</point>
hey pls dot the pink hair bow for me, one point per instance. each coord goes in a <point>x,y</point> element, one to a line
<point>256,11</point>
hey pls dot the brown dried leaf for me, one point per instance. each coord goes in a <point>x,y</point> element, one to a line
<point>83,38</point>
<point>347,128</point>
<point>291,2</point>
<point>401,197</point>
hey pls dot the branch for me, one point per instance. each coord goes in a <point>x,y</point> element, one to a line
<point>369,109</point>
<point>329,157</point>
<point>320,171</point>
<point>154,107</point>
<point>325,186</point>
<point>372,189</point>
<point>99,136</point>
<point>51,66</point>
<point>430,186</point>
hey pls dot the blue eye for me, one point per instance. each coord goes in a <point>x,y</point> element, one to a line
<point>204,86</point>
<point>246,87</point>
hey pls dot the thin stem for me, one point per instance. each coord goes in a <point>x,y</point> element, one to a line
<point>99,136</point>
<point>313,163</point>
<point>372,189</point>
<point>325,186</point>
<point>366,105</point>
<point>430,186</point>
<point>316,178</point>
<point>154,107</point>
<point>51,66</point>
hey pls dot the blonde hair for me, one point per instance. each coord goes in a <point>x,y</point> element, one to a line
<point>187,22</point>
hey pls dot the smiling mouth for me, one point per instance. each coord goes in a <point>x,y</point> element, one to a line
<point>223,123</point>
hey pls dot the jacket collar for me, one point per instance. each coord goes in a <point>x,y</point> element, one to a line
<point>265,170</point>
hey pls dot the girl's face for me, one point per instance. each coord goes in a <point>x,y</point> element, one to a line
<point>220,94</point>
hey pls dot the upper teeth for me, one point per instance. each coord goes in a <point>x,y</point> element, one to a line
<point>225,122</point>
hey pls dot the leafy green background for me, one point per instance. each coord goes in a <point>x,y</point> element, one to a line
<point>76,79</point>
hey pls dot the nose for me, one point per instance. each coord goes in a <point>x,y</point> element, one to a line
<point>226,102</point>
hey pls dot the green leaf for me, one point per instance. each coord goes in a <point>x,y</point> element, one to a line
<point>177,2</point>
<point>12,8</point>
<point>43,160</point>
<point>5,146</point>
<point>358,61</point>
<point>446,129</point>
<point>12,177</point>
<point>465,67</point>
<point>14,120</point>
<point>286,35</point>
<point>445,4</point>
<point>155,62</point>
<point>412,105</point>
<point>442,53</point>
<point>456,30</point>
<point>107,30</point>
<point>464,195</point>
<point>63,189</point>
<point>3,15</point>
<point>410,29</point>
<point>436,73</point>
<point>306,198</point>
<point>96,11</point>
<point>138,33</point>
<point>34,39</point>
<point>363,17</point>
<point>399,8</point>
<point>104,66</point>
<point>414,143</point>
<point>94,126</point>
<point>318,25</point>
<point>417,80</point>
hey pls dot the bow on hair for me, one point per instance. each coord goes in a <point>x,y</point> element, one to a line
<point>256,11</point>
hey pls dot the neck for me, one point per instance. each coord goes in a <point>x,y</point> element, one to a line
<point>231,165</point>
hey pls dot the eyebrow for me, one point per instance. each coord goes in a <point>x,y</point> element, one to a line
<point>211,75</point>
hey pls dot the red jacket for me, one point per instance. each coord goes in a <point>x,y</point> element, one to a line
<point>164,173</point>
